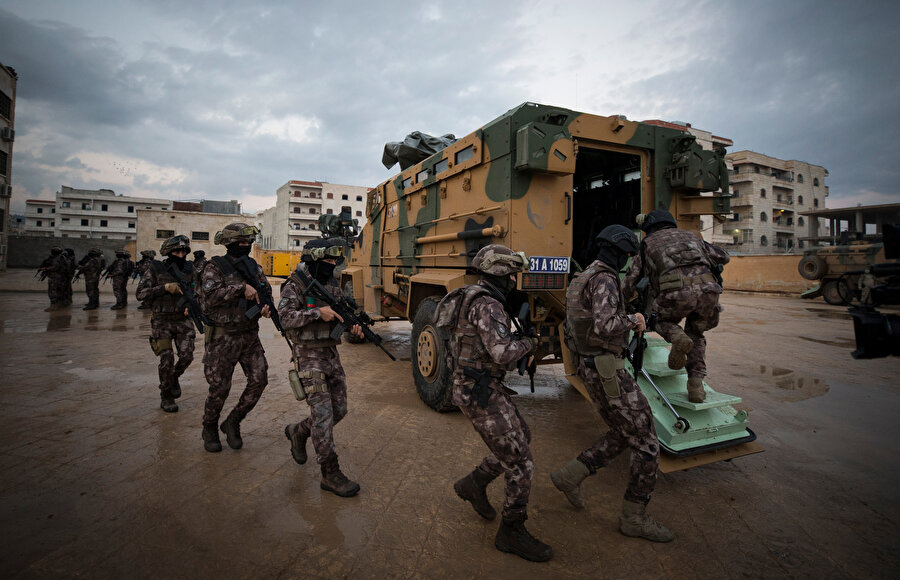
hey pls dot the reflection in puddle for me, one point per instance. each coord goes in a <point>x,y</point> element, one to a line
<point>838,343</point>
<point>59,322</point>
<point>794,386</point>
<point>825,313</point>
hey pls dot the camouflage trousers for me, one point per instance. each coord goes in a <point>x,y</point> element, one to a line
<point>181,333</point>
<point>92,289</point>
<point>328,408</point>
<point>507,436</point>
<point>56,288</point>
<point>701,311</point>
<point>630,427</point>
<point>219,360</point>
<point>120,289</point>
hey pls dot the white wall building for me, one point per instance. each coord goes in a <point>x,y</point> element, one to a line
<point>156,226</point>
<point>8,81</point>
<point>40,217</point>
<point>100,214</point>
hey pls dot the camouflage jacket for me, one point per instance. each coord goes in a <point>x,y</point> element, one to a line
<point>92,266</point>
<point>301,316</point>
<point>222,295</point>
<point>57,266</point>
<point>153,288</point>
<point>601,295</point>
<point>121,268</point>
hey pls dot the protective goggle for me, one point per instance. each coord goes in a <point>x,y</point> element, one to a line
<point>322,253</point>
<point>181,241</point>
<point>517,260</point>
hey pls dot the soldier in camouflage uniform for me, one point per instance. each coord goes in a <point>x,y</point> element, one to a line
<point>308,325</point>
<point>597,328</point>
<point>56,268</point>
<point>169,323</point>
<point>69,256</point>
<point>119,272</point>
<point>679,265</point>
<point>140,270</point>
<point>199,261</point>
<point>91,266</point>
<point>232,338</point>
<point>482,344</point>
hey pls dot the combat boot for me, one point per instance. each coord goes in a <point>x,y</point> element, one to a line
<point>211,438</point>
<point>568,480</point>
<point>696,392</point>
<point>634,522</point>
<point>681,346</point>
<point>167,403</point>
<point>335,481</point>
<point>175,389</point>
<point>91,306</point>
<point>117,307</point>
<point>297,434</point>
<point>231,427</point>
<point>472,489</point>
<point>512,537</point>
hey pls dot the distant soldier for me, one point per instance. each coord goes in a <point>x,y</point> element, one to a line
<point>597,328</point>
<point>169,324</point>
<point>55,268</point>
<point>483,348</point>
<point>69,256</point>
<point>680,267</point>
<point>140,270</point>
<point>232,338</point>
<point>91,266</point>
<point>199,262</point>
<point>119,271</point>
<point>308,325</point>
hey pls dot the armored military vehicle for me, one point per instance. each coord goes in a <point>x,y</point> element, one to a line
<point>543,180</point>
<point>836,269</point>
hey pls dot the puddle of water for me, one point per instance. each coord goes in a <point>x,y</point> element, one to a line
<point>825,313</point>
<point>838,343</point>
<point>794,386</point>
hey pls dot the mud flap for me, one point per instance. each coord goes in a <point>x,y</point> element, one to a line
<point>670,463</point>
<point>814,292</point>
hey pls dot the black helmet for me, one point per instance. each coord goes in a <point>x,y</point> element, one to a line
<point>321,248</point>
<point>620,238</point>
<point>199,254</point>
<point>655,220</point>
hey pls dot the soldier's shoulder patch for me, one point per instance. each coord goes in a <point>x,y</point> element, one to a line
<point>613,300</point>
<point>209,284</point>
<point>502,330</point>
<point>283,302</point>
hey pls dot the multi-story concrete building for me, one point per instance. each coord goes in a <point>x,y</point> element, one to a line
<point>768,195</point>
<point>100,214</point>
<point>8,81</point>
<point>298,204</point>
<point>155,226</point>
<point>40,217</point>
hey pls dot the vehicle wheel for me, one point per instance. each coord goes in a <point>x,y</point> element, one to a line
<point>351,338</point>
<point>846,291</point>
<point>813,267</point>
<point>833,293</point>
<point>431,371</point>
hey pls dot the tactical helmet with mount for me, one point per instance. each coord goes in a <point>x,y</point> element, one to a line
<point>498,260</point>
<point>322,248</point>
<point>148,253</point>
<point>199,254</point>
<point>123,253</point>
<point>236,232</point>
<point>655,220</point>
<point>180,242</point>
<point>96,251</point>
<point>620,238</point>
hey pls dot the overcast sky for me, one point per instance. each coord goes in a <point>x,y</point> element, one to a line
<point>229,100</point>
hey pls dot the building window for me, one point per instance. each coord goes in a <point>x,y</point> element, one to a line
<point>296,242</point>
<point>735,193</point>
<point>762,192</point>
<point>330,195</point>
<point>736,217</point>
<point>5,105</point>
<point>200,236</point>
<point>104,223</point>
<point>52,224</point>
<point>328,211</point>
<point>52,210</point>
<point>762,216</point>
<point>799,199</point>
<point>799,178</point>
<point>778,197</point>
<point>40,210</point>
<point>763,240</point>
<point>800,244</point>
<point>65,220</point>
<point>816,202</point>
<point>297,210</point>
<point>312,210</point>
<point>755,169</point>
<point>130,209</point>
<point>164,234</point>
<point>84,222</point>
<point>358,213</point>
<point>85,205</point>
<point>815,182</point>
<point>104,207</point>
<point>790,221</point>
<point>4,161</point>
<point>65,204</point>
<point>358,198</point>
<point>39,223</point>
<point>131,225</point>
<point>346,197</point>
<point>800,221</point>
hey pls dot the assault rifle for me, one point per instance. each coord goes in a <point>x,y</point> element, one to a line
<point>482,390</point>
<point>249,271</point>
<point>638,344</point>
<point>105,276</point>
<point>524,328</point>
<point>346,308</point>
<point>189,299</point>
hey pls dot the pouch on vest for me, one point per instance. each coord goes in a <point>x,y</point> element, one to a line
<point>447,311</point>
<point>670,281</point>
<point>568,339</point>
<point>296,385</point>
<point>606,367</point>
<point>160,345</point>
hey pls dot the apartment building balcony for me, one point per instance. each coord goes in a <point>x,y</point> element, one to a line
<point>740,177</point>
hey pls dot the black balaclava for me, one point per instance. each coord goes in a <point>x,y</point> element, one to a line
<point>504,284</point>
<point>56,252</point>
<point>612,256</point>
<point>179,261</point>
<point>235,250</point>
<point>321,270</point>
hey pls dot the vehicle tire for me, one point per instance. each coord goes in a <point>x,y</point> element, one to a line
<point>431,371</point>
<point>834,294</point>
<point>351,338</point>
<point>812,267</point>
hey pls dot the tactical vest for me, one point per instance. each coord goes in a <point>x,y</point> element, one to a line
<point>168,303</point>
<point>316,334</point>
<point>670,250</point>
<point>232,315</point>
<point>465,344</point>
<point>579,328</point>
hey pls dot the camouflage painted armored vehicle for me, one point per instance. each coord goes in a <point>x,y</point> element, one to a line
<point>833,267</point>
<point>543,180</point>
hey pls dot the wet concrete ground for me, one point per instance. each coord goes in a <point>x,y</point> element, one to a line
<point>98,482</point>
